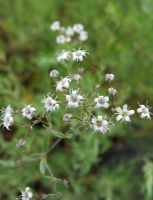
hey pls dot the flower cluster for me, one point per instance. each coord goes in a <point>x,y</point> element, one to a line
<point>70,33</point>
<point>74,99</point>
<point>95,110</point>
<point>89,105</point>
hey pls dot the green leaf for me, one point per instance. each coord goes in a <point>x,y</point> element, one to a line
<point>7,163</point>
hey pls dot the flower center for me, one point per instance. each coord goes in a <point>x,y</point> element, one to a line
<point>145,110</point>
<point>99,123</point>
<point>101,101</point>
<point>125,114</point>
<point>74,98</point>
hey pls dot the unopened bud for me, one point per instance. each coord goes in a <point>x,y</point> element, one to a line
<point>54,73</point>
<point>109,77</point>
<point>112,91</point>
<point>67,117</point>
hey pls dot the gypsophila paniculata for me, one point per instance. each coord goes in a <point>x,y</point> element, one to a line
<point>96,109</point>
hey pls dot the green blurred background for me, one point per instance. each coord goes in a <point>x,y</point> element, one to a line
<point>98,167</point>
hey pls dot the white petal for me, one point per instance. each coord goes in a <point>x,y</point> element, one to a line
<point>131,112</point>
<point>127,118</point>
<point>119,117</point>
<point>139,110</point>
<point>125,107</point>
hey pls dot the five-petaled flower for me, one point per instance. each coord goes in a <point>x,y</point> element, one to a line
<point>78,55</point>
<point>144,111</point>
<point>73,99</point>
<point>50,104</point>
<point>124,113</point>
<point>63,84</point>
<point>28,112</point>
<point>100,124</point>
<point>102,102</point>
<point>26,194</point>
<point>64,56</point>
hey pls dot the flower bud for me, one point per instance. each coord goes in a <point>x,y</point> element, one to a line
<point>67,117</point>
<point>21,143</point>
<point>109,77</point>
<point>112,91</point>
<point>54,73</point>
<point>97,86</point>
<point>77,77</point>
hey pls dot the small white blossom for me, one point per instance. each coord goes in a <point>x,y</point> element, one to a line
<point>63,84</point>
<point>73,99</point>
<point>78,28</point>
<point>68,39</point>
<point>64,56</point>
<point>112,91</point>
<point>61,39</point>
<point>83,36</point>
<point>76,77</point>
<point>97,86</point>
<point>100,124</point>
<point>54,73</point>
<point>124,113</point>
<point>67,117</point>
<point>20,143</point>
<point>7,117</point>
<point>28,112</point>
<point>7,110</point>
<point>109,77</point>
<point>144,111</point>
<point>26,195</point>
<point>102,102</point>
<point>50,104</point>
<point>69,31</point>
<point>7,121</point>
<point>55,26</point>
<point>78,55</point>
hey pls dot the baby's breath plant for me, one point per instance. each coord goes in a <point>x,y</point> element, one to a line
<point>95,111</point>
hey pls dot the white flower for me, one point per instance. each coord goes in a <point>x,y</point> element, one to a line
<point>78,28</point>
<point>67,117</point>
<point>100,124</point>
<point>124,113</point>
<point>109,77</point>
<point>83,36</point>
<point>7,110</point>
<point>50,104</point>
<point>73,99</point>
<point>112,91</point>
<point>76,77</point>
<point>61,39</point>
<point>7,117</point>
<point>28,112</point>
<point>55,26</point>
<point>63,56</point>
<point>144,111</point>
<point>78,55</point>
<point>54,73</point>
<point>68,39</point>
<point>102,102</point>
<point>26,195</point>
<point>69,31</point>
<point>63,84</point>
<point>7,121</point>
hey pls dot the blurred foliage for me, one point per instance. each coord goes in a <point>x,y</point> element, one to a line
<point>97,167</point>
